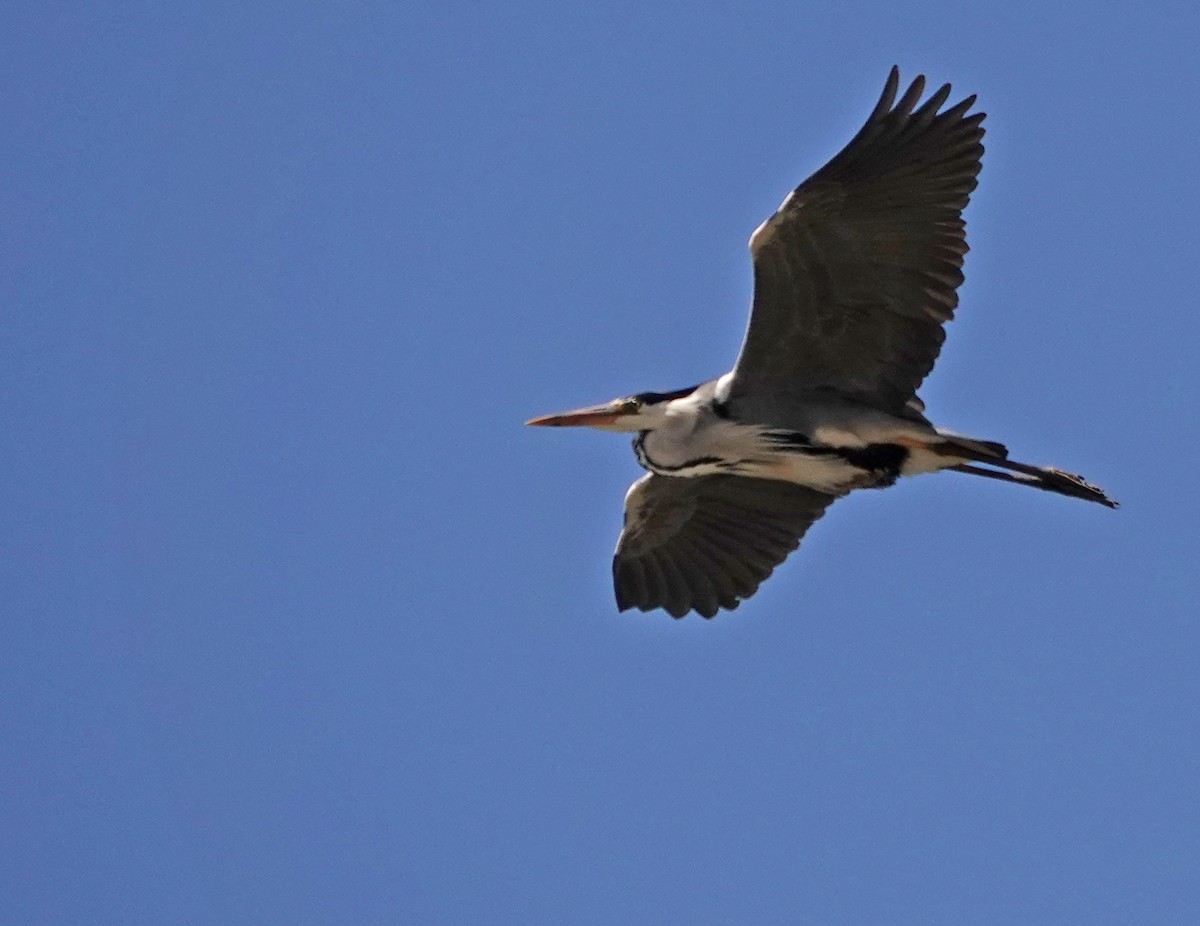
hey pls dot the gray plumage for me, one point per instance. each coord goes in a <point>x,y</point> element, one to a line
<point>855,276</point>
<point>857,271</point>
<point>707,542</point>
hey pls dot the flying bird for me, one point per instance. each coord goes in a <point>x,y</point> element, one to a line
<point>854,277</point>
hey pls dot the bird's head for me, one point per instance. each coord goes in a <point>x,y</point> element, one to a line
<point>642,412</point>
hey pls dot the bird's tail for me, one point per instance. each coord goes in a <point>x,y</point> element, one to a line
<point>1046,478</point>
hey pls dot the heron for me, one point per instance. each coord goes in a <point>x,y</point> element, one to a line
<point>855,275</point>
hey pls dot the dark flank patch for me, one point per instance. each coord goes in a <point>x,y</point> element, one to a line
<point>882,460</point>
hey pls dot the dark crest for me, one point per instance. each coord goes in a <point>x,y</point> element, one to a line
<point>654,398</point>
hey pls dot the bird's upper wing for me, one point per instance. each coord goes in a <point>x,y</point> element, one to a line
<point>707,542</point>
<point>856,272</point>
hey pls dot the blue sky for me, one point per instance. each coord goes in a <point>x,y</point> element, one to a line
<point>303,626</point>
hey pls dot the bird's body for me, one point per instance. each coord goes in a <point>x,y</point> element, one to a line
<point>855,274</point>
<point>830,445</point>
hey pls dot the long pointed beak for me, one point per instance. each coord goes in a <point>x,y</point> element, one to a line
<point>595,416</point>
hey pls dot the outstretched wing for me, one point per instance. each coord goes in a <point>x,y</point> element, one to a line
<point>707,542</point>
<point>857,271</point>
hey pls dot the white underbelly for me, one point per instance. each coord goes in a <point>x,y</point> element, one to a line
<point>830,474</point>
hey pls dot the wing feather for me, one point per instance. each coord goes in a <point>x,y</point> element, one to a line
<point>858,270</point>
<point>706,543</point>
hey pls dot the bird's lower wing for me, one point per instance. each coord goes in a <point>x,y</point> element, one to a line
<point>705,543</point>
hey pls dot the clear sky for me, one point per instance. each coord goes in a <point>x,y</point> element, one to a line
<point>302,626</point>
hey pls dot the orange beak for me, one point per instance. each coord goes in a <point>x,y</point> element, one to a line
<point>595,416</point>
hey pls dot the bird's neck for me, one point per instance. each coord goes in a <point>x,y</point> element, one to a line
<point>691,439</point>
